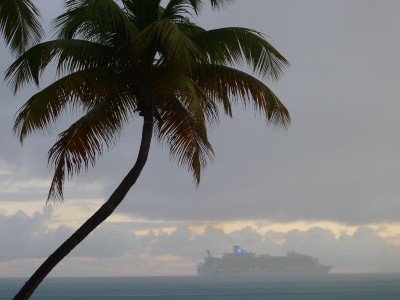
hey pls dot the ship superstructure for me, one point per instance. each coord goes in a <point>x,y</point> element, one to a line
<point>242,262</point>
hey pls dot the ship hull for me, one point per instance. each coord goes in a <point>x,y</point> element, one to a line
<point>265,273</point>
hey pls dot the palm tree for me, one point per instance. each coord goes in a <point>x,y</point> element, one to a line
<point>19,24</point>
<point>139,59</point>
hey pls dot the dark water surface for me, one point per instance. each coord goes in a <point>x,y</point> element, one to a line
<point>305,287</point>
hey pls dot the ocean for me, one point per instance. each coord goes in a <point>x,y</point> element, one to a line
<point>304,287</point>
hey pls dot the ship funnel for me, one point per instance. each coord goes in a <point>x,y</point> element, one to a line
<point>237,249</point>
<point>209,253</point>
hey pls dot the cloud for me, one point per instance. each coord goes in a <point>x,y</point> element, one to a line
<point>24,236</point>
<point>125,247</point>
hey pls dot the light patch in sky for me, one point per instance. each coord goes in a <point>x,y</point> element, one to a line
<point>391,231</point>
<point>73,213</point>
<point>13,187</point>
<point>4,171</point>
<point>70,213</point>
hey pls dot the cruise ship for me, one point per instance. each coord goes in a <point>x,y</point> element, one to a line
<point>241,262</point>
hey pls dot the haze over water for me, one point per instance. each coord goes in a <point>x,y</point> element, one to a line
<point>328,287</point>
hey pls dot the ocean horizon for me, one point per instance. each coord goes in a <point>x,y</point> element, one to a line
<point>304,287</point>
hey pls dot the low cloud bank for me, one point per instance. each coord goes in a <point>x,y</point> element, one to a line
<point>118,249</point>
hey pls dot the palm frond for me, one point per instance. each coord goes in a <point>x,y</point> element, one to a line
<point>71,55</point>
<point>176,47</point>
<point>84,141</point>
<point>94,20</point>
<point>170,82</point>
<point>142,13</point>
<point>178,7</point>
<point>221,4</point>
<point>223,83</point>
<point>235,45</point>
<point>186,137</point>
<point>189,28</point>
<point>19,24</point>
<point>82,89</point>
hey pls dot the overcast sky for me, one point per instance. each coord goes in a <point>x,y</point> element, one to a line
<point>329,186</point>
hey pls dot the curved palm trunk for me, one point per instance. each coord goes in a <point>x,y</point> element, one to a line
<point>96,219</point>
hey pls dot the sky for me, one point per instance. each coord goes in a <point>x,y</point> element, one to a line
<point>328,186</point>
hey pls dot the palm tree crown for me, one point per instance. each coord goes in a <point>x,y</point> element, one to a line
<point>117,60</point>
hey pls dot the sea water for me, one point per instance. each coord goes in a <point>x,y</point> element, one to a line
<point>307,287</point>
